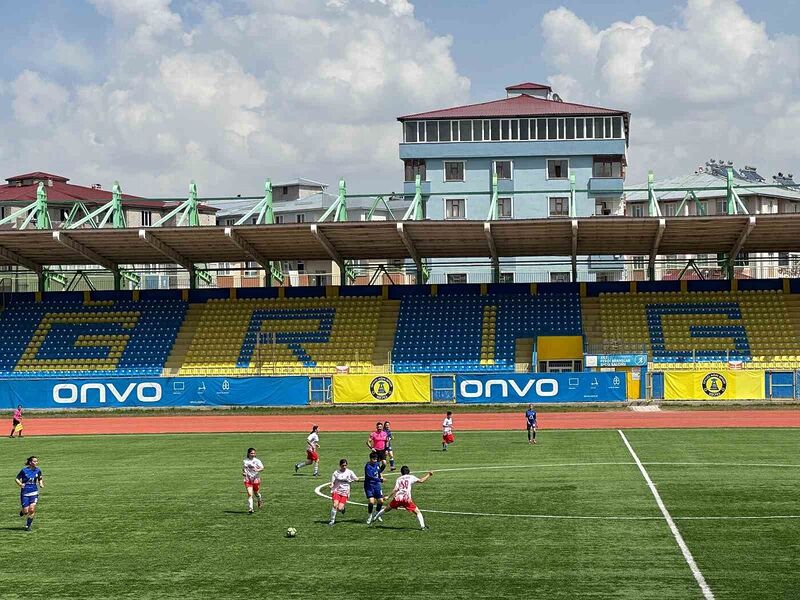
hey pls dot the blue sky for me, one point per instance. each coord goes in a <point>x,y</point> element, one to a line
<point>155,92</point>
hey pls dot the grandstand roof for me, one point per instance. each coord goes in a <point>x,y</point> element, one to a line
<point>391,239</point>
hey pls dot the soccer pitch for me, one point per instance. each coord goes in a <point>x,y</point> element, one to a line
<point>152,516</point>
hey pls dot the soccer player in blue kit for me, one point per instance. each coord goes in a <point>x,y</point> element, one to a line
<point>530,423</point>
<point>29,481</point>
<point>372,486</point>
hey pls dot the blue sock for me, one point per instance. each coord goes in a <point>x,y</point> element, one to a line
<point>391,463</point>
<point>369,508</point>
<point>28,522</point>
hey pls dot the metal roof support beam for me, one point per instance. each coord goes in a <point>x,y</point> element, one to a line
<point>737,247</point>
<point>574,250</point>
<point>90,255</point>
<point>412,250</point>
<point>651,265</point>
<point>487,230</point>
<point>332,252</point>
<point>20,260</point>
<point>246,247</point>
<point>172,254</point>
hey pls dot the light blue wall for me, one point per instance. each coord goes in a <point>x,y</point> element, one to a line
<point>529,173</point>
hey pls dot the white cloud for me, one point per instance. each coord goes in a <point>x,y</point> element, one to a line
<point>716,84</point>
<point>278,89</point>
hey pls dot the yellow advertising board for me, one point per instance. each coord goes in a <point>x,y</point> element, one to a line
<point>714,385</point>
<point>381,389</point>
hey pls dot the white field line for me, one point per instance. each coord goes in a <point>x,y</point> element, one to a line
<point>687,555</point>
<point>318,491</point>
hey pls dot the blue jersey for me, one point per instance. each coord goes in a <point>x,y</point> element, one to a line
<point>30,480</point>
<point>372,474</point>
<point>388,437</point>
<point>530,415</point>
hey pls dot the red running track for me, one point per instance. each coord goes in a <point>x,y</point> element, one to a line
<point>411,422</point>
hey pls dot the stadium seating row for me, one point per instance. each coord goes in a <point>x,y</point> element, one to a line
<point>451,332</point>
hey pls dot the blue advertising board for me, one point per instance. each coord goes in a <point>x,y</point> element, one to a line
<point>540,387</point>
<point>615,360</point>
<point>118,392</point>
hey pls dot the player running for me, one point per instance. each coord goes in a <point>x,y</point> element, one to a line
<point>447,431</point>
<point>401,495</point>
<point>312,458</point>
<point>30,482</point>
<point>251,471</point>
<point>530,423</point>
<point>372,485</point>
<point>389,438</point>
<point>340,488</point>
<point>377,443</point>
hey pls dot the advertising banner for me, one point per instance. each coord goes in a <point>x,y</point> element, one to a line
<point>714,385</point>
<point>615,360</point>
<point>540,387</point>
<point>381,389</point>
<point>118,392</point>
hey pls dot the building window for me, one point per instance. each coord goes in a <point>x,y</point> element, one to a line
<point>504,208</point>
<point>279,219</point>
<point>432,131</point>
<point>506,277</point>
<point>465,130</point>
<point>783,259</point>
<point>560,277</point>
<point>559,206</point>
<point>668,209</point>
<point>495,130</point>
<point>301,266</point>
<point>607,166</point>
<point>722,207</point>
<point>637,210</point>
<point>552,129</point>
<point>300,218</point>
<point>444,131</point>
<point>229,222</point>
<point>285,190</point>
<point>410,128</point>
<point>454,170</point>
<point>557,169</point>
<point>456,278</point>
<point>224,269</point>
<point>147,218</point>
<point>524,132</point>
<point>541,129</point>
<point>455,209</point>
<point>254,221</point>
<point>601,208</point>
<point>742,259</point>
<point>414,167</point>
<point>503,169</point>
<point>638,262</point>
<point>251,269</point>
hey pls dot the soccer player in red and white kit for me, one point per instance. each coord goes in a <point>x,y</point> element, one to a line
<point>401,495</point>
<point>447,431</point>
<point>312,458</point>
<point>340,488</point>
<point>251,471</point>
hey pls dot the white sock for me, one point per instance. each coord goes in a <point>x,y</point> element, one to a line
<point>378,514</point>
<point>333,515</point>
<point>420,519</point>
<point>316,469</point>
<point>299,465</point>
<point>250,503</point>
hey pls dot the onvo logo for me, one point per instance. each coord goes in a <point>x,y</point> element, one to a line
<point>69,393</point>
<point>504,388</point>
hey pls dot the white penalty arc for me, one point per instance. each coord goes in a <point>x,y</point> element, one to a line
<point>318,491</point>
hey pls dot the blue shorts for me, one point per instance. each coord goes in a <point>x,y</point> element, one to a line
<point>373,490</point>
<point>26,501</point>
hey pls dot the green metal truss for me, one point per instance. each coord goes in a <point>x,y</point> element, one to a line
<point>339,211</point>
<point>266,216</point>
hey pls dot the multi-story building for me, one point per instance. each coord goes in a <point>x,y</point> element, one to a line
<point>536,144</point>
<point>708,197</point>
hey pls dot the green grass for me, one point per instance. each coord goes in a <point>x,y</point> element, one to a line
<point>165,517</point>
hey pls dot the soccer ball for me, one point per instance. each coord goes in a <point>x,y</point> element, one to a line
<point>291,532</point>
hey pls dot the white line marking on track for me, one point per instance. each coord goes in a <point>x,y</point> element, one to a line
<point>687,555</point>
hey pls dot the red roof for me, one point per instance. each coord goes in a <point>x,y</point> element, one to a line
<point>518,106</point>
<point>62,192</point>
<point>528,86</point>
